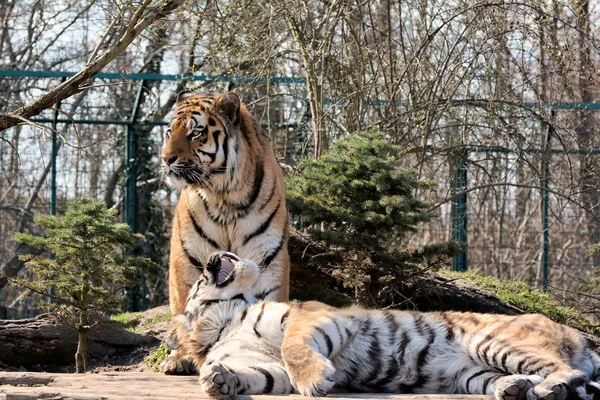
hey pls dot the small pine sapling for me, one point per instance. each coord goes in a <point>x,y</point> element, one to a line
<point>88,269</point>
<point>357,199</point>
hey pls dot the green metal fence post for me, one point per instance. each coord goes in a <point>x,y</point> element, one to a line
<point>130,191</point>
<point>459,211</point>
<point>131,201</point>
<point>130,154</point>
<point>544,200</point>
<point>53,156</point>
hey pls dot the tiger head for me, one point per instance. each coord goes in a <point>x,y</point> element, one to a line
<point>224,288</point>
<point>200,135</point>
<point>226,277</point>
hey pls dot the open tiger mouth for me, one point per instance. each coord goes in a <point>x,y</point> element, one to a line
<point>226,272</point>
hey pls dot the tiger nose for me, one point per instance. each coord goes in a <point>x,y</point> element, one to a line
<point>170,160</point>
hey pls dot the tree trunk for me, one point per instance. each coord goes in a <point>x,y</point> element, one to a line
<point>314,88</point>
<point>316,109</point>
<point>81,355</point>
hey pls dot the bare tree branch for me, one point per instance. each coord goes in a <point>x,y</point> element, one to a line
<point>142,18</point>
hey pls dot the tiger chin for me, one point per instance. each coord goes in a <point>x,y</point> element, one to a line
<point>232,197</point>
<point>245,346</point>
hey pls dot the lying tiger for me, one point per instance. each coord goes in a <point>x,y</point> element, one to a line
<point>243,346</point>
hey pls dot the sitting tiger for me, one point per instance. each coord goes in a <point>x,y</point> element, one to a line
<point>232,198</point>
<point>243,346</point>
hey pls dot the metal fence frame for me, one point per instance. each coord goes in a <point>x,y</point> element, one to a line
<point>460,182</point>
<point>459,205</point>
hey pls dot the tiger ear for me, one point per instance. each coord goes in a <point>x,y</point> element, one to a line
<point>228,106</point>
<point>184,94</point>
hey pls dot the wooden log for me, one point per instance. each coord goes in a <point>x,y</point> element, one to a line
<point>25,379</point>
<point>438,293</point>
<point>134,385</point>
<point>43,341</point>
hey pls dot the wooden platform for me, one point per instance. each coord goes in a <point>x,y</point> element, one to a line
<point>137,385</point>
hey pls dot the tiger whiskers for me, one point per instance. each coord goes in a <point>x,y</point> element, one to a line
<point>193,176</point>
<point>205,180</point>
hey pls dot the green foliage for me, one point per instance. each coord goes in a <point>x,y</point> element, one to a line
<point>528,299</point>
<point>591,285</point>
<point>356,198</point>
<point>85,271</point>
<point>358,191</point>
<point>157,319</point>
<point>89,266</point>
<point>156,358</point>
<point>593,250</point>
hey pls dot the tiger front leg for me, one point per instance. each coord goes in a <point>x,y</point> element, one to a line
<point>178,362</point>
<point>565,383</point>
<point>560,385</point>
<point>309,342</point>
<point>535,376</point>
<point>218,381</point>
<point>310,372</point>
<point>221,381</point>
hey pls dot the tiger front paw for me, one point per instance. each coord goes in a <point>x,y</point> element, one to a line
<point>515,387</point>
<point>561,385</point>
<point>218,382</point>
<point>175,364</point>
<point>313,379</point>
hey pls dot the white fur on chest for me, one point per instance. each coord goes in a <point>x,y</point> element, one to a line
<point>232,237</point>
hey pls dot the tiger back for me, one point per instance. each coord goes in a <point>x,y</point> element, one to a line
<point>232,196</point>
<point>246,346</point>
